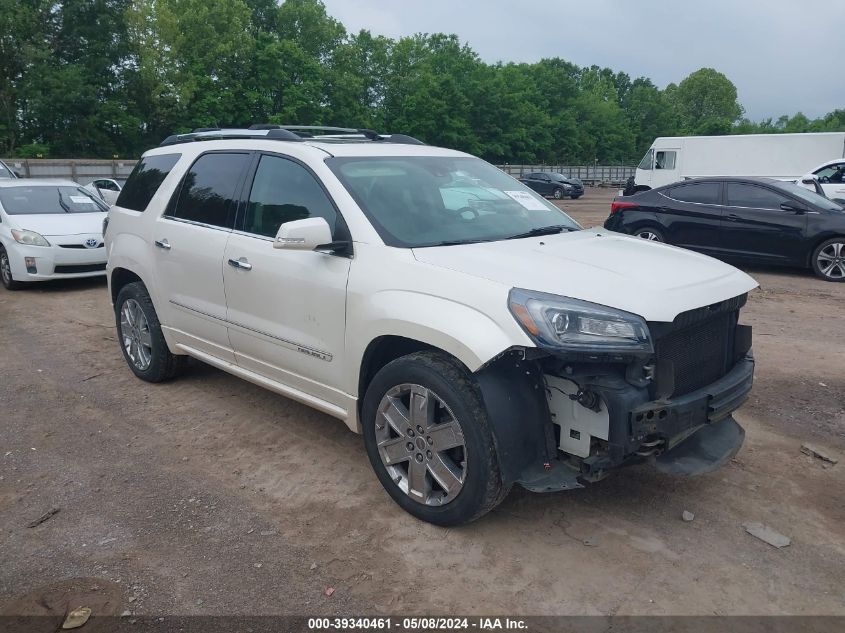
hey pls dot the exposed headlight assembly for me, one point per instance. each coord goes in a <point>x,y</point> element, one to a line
<point>578,326</point>
<point>30,238</point>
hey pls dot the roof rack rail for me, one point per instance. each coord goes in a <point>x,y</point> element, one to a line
<point>273,131</point>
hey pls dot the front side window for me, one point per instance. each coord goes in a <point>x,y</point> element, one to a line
<point>808,196</point>
<point>831,173</point>
<point>753,197</point>
<point>5,172</point>
<point>421,201</point>
<point>284,191</point>
<point>647,160</point>
<point>145,180</point>
<point>664,160</point>
<point>49,200</point>
<point>698,193</point>
<point>208,189</point>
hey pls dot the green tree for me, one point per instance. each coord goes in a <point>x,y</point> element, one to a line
<point>706,103</point>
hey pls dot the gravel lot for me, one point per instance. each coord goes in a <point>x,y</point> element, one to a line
<point>208,495</point>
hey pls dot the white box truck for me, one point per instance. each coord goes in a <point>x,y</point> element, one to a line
<point>781,156</point>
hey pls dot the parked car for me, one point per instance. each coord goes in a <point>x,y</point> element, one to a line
<point>779,156</point>
<point>49,229</point>
<point>751,219</point>
<point>477,341</point>
<point>554,185</point>
<point>106,188</point>
<point>6,172</point>
<point>830,177</point>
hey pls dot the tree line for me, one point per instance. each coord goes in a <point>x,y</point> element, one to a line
<point>104,78</point>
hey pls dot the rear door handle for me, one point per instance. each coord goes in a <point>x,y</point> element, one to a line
<point>732,218</point>
<point>241,263</point>
<point>163,244</point>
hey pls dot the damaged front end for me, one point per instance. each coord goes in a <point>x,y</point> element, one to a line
<point>657,392</point>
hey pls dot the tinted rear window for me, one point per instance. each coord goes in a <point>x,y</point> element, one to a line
<point>208,189</point>
<point>145,180</point>
<point>701,193</point>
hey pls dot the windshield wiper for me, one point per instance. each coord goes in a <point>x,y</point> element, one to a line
<point>453,243</point>
<point>63,204</point>
<point>543,230</point>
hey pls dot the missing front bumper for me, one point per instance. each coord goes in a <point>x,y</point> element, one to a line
<point>706,450</point>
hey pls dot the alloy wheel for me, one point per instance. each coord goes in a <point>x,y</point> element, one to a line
<point>651,236</point>
<point>831,260</point>
<point>558,194</point>
<point>135,332</point>
<point>421,444</point>
<point>5,269</point>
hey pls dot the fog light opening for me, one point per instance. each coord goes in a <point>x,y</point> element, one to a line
<point>30,265</point>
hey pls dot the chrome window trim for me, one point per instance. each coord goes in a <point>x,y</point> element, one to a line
<point>195,223</point>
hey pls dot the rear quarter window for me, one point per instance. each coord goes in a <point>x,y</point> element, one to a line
<point>699,193</point>
<point>145,180</point>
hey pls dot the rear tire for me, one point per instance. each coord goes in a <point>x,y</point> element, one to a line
<point>829,260</point>
<point>140,336</point>
<point>650,233</point>
<point>6,272</point>
<point>410,464</point>
<point>557,194</point>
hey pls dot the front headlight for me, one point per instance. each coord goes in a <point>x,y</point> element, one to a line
<point>30,238</point>
<point>578,326</point>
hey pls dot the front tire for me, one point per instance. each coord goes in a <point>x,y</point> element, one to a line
<point>429,441</point>
<point>829,260</point>
<point>140,336</point>
<point>6,272</point>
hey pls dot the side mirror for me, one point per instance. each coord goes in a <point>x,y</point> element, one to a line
<point>303,235</point>
<point>809,180</point>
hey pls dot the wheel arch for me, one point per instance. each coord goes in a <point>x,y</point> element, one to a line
<point>818,242</point>
<point>121,277</point>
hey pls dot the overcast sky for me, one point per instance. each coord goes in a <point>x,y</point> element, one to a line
<point>784,56</point>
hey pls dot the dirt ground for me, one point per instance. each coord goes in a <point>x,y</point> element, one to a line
<point>208,495</point>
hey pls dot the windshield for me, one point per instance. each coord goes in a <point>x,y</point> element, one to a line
<point>809,196</point>
<point>5,172</point>
<point>50,199</point>
<point>433,201</point>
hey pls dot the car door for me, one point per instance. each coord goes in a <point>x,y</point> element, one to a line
<point>692,214</point>
<point>755,225</point>
<point>286,308</point>
<point>189,242</point>
<point>535,181</point>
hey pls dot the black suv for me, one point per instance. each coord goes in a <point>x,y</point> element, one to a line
<point>555,185</point>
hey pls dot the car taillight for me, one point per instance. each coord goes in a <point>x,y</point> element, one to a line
<point>617,206</point>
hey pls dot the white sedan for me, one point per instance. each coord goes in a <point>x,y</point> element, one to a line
<point>106,188</point>
<point>49,229</point>
<point>830,176</point>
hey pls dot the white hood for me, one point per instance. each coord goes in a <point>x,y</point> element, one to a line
<point>54,224</point>
<point>653,280</point>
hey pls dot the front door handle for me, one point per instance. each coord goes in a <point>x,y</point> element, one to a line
<point>732,217</point>
<point>241,263</point>
<point>163,244</point>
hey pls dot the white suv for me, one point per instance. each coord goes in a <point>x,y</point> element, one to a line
<point>471,330</point>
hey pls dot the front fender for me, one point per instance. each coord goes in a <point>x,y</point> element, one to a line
<point>458,329</point>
